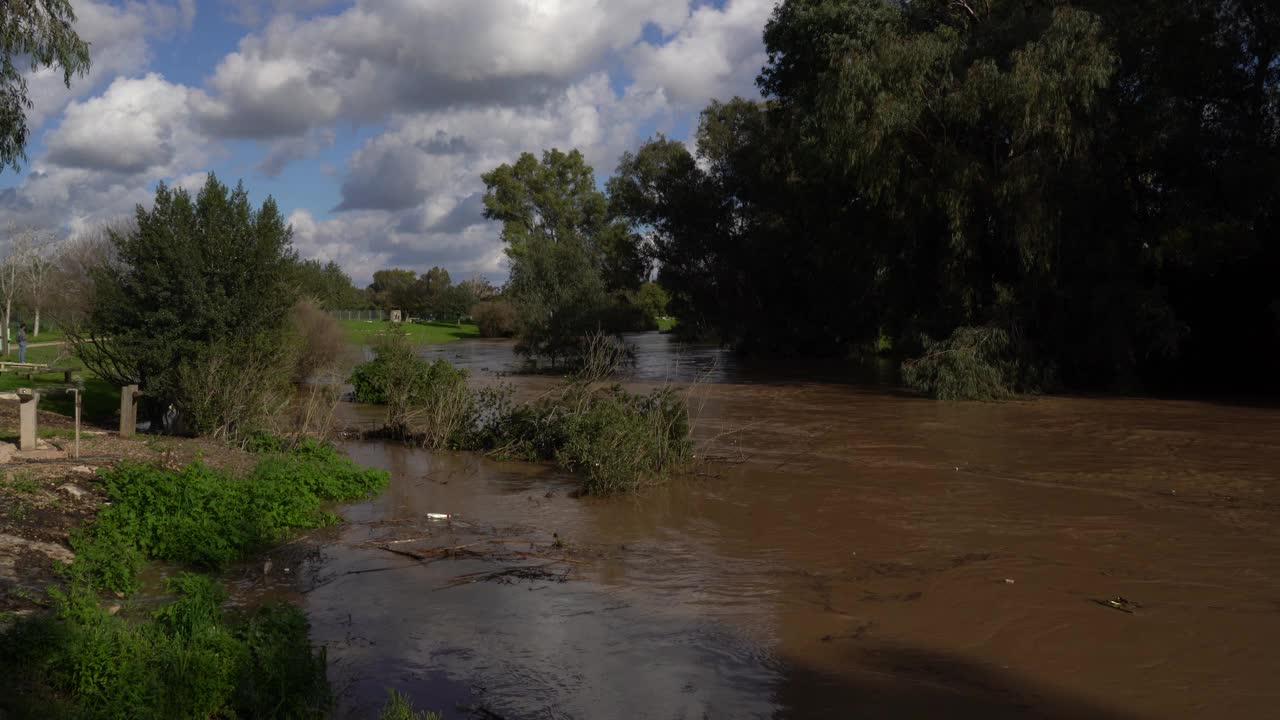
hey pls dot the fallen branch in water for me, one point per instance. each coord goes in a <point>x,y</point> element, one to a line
<point>520,572</point>
<point>321,584</point>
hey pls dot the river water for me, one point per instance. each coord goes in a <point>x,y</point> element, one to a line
<point>841,551</point>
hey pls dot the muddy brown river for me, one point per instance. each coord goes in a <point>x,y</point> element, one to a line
<point>843,551</point>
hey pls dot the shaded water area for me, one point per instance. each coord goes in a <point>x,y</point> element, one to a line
<point>844,551</point>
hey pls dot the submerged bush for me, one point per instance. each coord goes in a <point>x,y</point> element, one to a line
<point>398,707</point>
<point>972,364</point>
<point>614,440</point>
<point>976,363</point>
<point>426,401</point>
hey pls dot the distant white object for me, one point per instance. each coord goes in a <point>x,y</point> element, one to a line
<point>438,516</point>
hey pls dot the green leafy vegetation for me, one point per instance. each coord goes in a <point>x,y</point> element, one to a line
<point>1096,179</point>
<point>613,440</point>
<point>195,309</point>
<point>398,707</point>
<point>36,35</point>
<point>573,267</point>
<point>205,518</point>
<point>186,659</point>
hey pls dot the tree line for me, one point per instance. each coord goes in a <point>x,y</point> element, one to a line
<point>1033,193</point>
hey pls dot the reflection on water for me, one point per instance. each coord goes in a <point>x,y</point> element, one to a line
<point>659,357</point>
<point>663,358</point>
<point>854,553</point>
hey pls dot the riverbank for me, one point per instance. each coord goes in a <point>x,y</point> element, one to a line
<point>42,504</point>
<point>78,643</point>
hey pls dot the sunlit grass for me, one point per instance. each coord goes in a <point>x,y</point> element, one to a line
<point>434,333</point>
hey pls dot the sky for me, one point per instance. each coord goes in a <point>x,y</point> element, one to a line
<point>371,121</point>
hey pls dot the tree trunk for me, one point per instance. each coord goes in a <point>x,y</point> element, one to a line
<point>8,307</point>
<point>35,330</point>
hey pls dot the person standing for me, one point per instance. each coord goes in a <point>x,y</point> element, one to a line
<point>22,342</point>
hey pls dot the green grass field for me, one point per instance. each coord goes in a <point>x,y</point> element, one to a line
<point>101,399</point>
<point>666,323</point>
<point>361,331</point>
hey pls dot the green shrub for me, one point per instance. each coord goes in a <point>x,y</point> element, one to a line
<point>426,401</point>
<point>495,318</point>
<point>280,675</point>
<point>398,707</point>
<point>972,364</point>
<point>205,518</point>
<point>369,381</point>
<point>977,363</point>
<point>185,661</point>
<point>614,440</point>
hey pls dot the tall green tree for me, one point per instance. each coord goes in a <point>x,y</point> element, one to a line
<point>328,284</point>
<point>1096,181</point>
<point>196,277</point>
<point>34,34</point>
<point>393,289</point>
<point>428,289</point>
<point>563,246</point>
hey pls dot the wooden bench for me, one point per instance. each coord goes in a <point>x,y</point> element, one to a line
<point>28,370</point>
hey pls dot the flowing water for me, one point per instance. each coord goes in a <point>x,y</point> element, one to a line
<point>846,552</point>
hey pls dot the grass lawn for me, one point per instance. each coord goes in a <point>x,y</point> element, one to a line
<point>46,335</point>
<point>434,333</point>
<point>101,399</point>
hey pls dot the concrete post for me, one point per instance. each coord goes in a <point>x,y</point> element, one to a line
<point>128,410</point>
<point>27,403</point>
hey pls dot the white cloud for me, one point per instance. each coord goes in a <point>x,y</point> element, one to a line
<point>137,126</point>
<point>716,54</point>
<point>117,37</point>
<point>456,86</point>
<point>404,55</point>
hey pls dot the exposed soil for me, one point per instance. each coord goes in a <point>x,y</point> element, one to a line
<point>42,502</point>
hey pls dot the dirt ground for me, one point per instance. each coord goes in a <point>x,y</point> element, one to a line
<point>42,502</point>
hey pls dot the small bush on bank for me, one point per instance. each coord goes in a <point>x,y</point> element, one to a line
<point>234,390</point>
<point>320,339</point>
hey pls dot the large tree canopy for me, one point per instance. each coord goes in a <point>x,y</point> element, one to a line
<point>567,253</point>
<point>34,34</point>
<point>1098,180</point>
<point>197,275</point>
